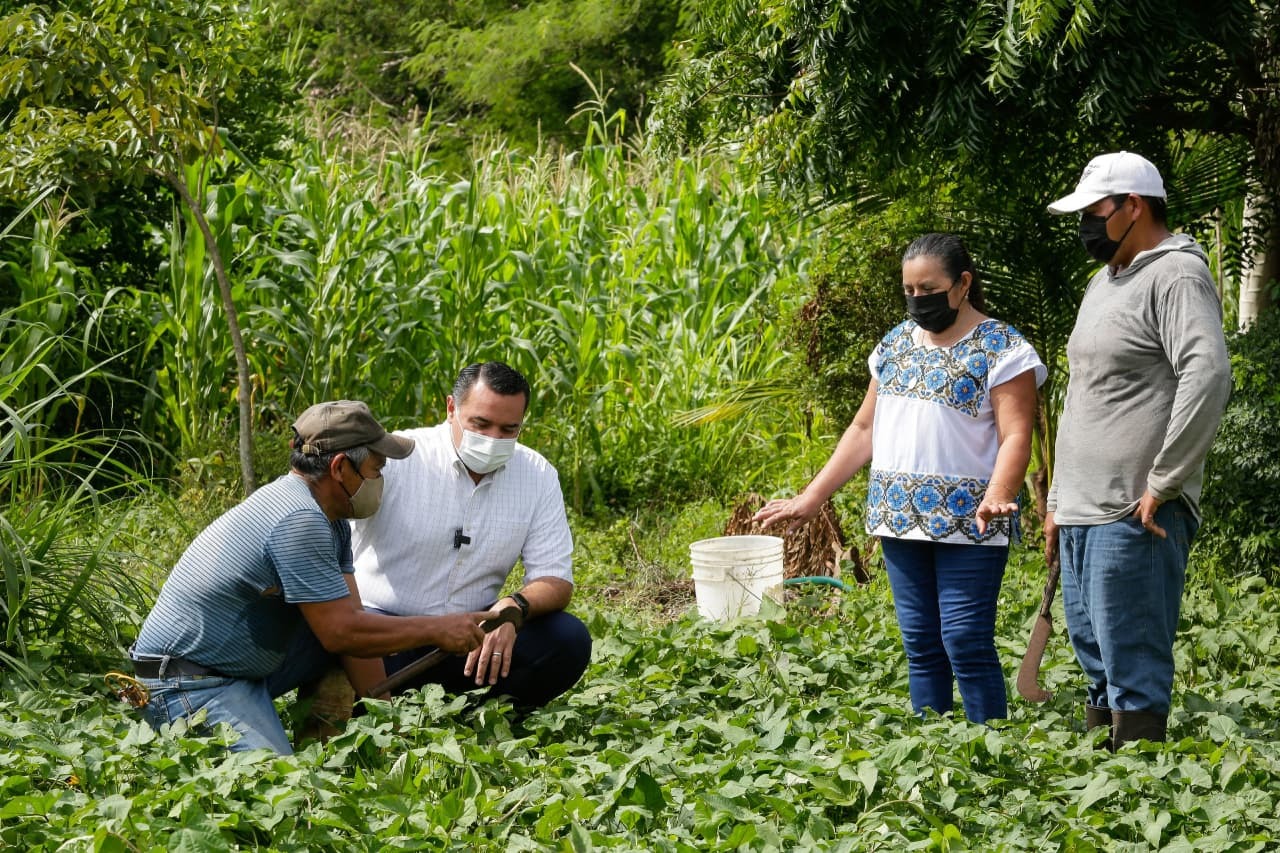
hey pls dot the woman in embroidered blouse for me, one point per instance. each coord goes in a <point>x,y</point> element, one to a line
<point>946,425</point>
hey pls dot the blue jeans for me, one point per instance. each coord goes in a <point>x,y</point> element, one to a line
<point>550,655</point>
<point>242,703</point>
<point>945,596</point>
<point>1122,591</point>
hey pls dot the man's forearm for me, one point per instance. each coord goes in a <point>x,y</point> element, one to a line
<point>374,635</point>
<point>545,595</point>
<point>343,628</point>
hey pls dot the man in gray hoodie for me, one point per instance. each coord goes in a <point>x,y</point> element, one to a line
<point>1149,381</point>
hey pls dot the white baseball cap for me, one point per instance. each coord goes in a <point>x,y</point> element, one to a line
<point>1120,173</point>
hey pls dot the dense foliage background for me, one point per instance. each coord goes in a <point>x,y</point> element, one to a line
<point>683,222</point>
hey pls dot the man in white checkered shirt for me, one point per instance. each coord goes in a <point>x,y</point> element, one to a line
<point>457,514</point>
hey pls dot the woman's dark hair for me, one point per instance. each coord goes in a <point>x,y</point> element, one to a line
<point>500,378</point>
<point>949,251</point>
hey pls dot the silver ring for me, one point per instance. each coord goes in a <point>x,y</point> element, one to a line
<point>497,654</point>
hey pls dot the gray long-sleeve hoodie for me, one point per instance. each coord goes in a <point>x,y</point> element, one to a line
<point>1149,380</point>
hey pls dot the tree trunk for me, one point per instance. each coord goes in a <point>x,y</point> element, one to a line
<point>1263,268</point>
<point>233,322</point>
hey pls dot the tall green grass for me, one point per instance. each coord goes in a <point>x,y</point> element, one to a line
<point>627,288</point>
<point>61,584</point>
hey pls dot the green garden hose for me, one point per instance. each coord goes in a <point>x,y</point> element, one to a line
<point>818,579</point>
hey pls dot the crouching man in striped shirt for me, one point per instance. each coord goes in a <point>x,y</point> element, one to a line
<point>461,510</point>
<point>265,599</point>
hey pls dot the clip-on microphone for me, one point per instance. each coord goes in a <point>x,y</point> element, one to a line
<point>458,539</point>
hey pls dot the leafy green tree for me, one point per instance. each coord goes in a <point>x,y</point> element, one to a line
<point>1242,475</point>
<point>841,94</point>
<point>827,89</point>
<point>514,64</point>
<point>991,110</point>
<point>352,56</point>
<point>490,67</point>
<point>103,92</point>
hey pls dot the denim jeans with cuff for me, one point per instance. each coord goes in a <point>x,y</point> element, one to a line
<point>1122,592</point>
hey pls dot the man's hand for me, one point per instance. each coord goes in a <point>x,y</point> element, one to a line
<point>1146,513</point>
<point>797,510</point>
<point>460,632</point>
<point>1050,539</point>
<point>492,659</point>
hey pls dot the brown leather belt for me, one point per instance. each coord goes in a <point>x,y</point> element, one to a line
<point>176,666</point>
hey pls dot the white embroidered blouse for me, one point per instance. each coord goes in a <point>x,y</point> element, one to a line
<point>934,440</point>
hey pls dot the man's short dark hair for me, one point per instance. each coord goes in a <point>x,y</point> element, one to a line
<point>1159,207</point>
<point>313,466</point>
<point>498,377</point>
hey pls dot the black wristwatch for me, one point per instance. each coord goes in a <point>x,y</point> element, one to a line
<point>522,603</point>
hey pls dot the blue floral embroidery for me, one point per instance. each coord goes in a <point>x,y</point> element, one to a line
<point>942,507</point>
<point>964,391</point>
<point>874,518</point>
<point>954,376</point>
<point>960,501</point>
<point>935,358</point>
<point>976,363</point>
<point>926,499</point>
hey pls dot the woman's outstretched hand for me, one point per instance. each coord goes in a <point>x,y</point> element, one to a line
<point>796,510</point>
<point>996,502</point>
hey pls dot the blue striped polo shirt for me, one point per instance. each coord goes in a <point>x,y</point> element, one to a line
<point>231,601</point>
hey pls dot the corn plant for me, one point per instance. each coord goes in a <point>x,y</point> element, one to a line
<point>627,288</point>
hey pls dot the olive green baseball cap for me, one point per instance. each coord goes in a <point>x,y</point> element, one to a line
<point>343,424</point>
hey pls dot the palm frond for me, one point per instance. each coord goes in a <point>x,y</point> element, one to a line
<point>744,398</point>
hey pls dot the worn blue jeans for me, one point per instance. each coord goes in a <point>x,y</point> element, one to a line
<point>945,595</point>
<point>1122,592</point>
<point>242,703</point>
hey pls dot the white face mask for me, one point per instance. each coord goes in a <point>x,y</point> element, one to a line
<point>482,454</point>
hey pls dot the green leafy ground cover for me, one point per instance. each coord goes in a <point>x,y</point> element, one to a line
<point>785,733</point>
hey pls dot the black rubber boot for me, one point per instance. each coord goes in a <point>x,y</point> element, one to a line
<point>1129,726</point>
<point>1097,718</point>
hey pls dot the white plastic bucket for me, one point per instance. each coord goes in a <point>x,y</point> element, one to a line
<point>731,574</point>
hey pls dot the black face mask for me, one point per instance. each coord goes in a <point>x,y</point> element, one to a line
<point>932,312</point>
<point>1093,233</point>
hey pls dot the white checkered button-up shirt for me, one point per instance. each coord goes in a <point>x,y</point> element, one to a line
<point>405,558</point>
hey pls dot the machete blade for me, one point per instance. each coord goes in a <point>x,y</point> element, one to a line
<point>1029,670</point>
